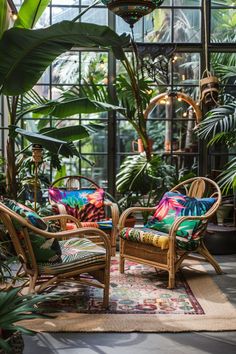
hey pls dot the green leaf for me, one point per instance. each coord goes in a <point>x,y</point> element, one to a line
<point>30,12</point>
<point>53,145</point>
<point>71,133</point>
<point>25,54</point>
<point>70,107</point>
<point>3,16</point>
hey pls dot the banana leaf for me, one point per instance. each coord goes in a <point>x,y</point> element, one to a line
<point>53,145</point>
<point>29,13</point>
<point>3,16</point>
<point>69,107</point>
<point>25,54</point>
<point>71,133</point>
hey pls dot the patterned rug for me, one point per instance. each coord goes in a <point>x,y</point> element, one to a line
<point>140,302</point>
<point>140,290</point>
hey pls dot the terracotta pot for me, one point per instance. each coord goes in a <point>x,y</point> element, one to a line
<point>130,221</point>
<point>137,146</point>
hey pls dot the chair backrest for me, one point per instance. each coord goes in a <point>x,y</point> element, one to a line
<point>23,250</point>
<point>27,232</point>
<point>78,196</point>
<point>75,182</point>
<point>200,187</point>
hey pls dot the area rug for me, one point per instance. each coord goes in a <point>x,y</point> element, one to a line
<point>140,302</point>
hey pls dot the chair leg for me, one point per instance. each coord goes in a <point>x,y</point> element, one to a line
<point>171,281</point>
<point>206,254</point>
<point>122,264</point>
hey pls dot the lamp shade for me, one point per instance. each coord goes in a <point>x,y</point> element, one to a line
<point>132,10</point>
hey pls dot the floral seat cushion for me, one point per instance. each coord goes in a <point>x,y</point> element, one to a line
<point>45,249</point>
<point>76,252</point>
<point>84,204</point>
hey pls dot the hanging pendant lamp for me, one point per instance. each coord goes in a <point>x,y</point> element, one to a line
<point>132,10</point>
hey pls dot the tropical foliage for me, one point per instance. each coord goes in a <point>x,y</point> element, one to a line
<point>38,49</point>
<point>14,308</point>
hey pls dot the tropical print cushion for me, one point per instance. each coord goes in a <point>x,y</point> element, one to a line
<point>145,235</point>
<point>174,205</point>
<point>76,252</point>
<point>84,204</point>
<point>45,249</point>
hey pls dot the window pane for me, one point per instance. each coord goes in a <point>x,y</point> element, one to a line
<point>223,25</point>
<point>157,26</point>
<point>126,137</point>
<point>98,16</point>
<point>63,13</point>
<point>66,68</point>
<point>94,67</point>
<point>187,26</point>
<point>65,2</point>
<point>187,2</point>
<point>122,26</point>
<point>186,68</point>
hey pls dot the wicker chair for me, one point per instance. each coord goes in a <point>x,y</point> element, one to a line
<point>86,259</point>
<point>137,244</point>
<point>106,220</point>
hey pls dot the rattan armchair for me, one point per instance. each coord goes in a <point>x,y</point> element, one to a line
<point>170,258</point>
<point>106,218</point>
<point>88,260</point>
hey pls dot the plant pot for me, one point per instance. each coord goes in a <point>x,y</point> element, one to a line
<point>222,213</point>
<point>220,239</point>
<point>130,221</point>
<point>137,146</point>
<point>15,340</point>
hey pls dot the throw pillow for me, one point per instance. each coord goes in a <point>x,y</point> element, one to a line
<point>84,204</point>
<point>45,249</point>
<point>174,205</point>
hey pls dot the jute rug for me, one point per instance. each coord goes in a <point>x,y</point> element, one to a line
<point>140,302</point>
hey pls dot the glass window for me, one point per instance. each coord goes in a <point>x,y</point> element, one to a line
<point>187,26</point>
<point>223,25</point>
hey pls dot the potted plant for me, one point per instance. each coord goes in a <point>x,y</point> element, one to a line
<point>142,182</point>
<point>15,307</point>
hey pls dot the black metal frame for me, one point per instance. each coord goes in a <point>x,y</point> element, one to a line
<point>112,155</point>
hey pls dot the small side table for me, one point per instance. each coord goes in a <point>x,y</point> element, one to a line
<point>220,239</point>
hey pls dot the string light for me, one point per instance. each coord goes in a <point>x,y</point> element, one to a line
<point>14,16</point>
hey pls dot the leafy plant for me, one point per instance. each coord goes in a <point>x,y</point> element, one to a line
<point>38,49</point>
<point>14,308</point>
<point>142,182</point>
<point>219,125</point>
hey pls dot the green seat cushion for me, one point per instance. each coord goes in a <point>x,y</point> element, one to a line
<point>45,249</point>
<point>76,252</point>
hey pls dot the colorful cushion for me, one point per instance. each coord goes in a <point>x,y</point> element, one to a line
<point>76,252</point>
<point>145,235</point>
<point>45,249</point>
<point>84,204</point>
<point>174,205</point>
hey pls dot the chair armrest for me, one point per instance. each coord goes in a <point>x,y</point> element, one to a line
<point>114,211</point>
<point>63,219</point>
<point>131,210</point>
<point>178,221</point>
